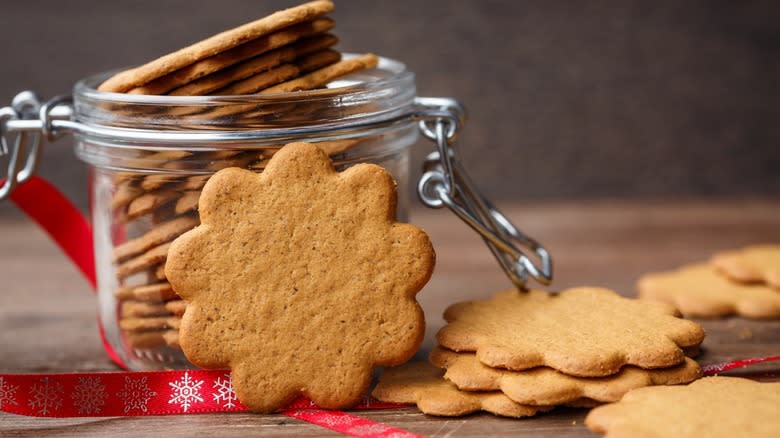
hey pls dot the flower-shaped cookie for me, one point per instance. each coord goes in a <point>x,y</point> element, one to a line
<point>698,290</point>
<point>752,264</point>
<point>421,383</point>
<point>713,407</point>
<point>300,280</point>
<point>545,386</point>
<point>585,332</point>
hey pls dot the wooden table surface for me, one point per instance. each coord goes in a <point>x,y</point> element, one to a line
<point>47,313</point>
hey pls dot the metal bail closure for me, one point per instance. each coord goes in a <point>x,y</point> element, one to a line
<point>445,183</point>
<point>22,147</point>
<point>24,144</point>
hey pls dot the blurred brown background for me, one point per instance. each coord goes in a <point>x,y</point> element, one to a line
<point>598,99</point>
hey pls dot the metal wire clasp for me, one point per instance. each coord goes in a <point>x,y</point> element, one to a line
<point>24,146</point>
<point>445,183</point>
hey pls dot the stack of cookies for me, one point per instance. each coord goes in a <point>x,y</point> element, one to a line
<point>745,282</point>
<point>288,51</point>
<point>520,353</point>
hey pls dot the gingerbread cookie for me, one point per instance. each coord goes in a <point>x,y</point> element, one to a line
<point>141,324</point>
<point>150,258</point>
<point>150,201</point>
<point>159,273</point>
<point>259,81</point>
<point>176,307</point>
<point>545,386</point>
<point>135,77</point>
<point>188,202</point>
<point>145,340</point>
<point>256,65</point>
<point>422,384</point>
<point>157,292</point>
<point>171,338</point>
<point>317,60</point>
<point>160,234</point>
<point>142,308</point>
<point>711,407</point>
<point>586,332</point>
<point>125,192</point>
<point>753,264</point>
<point>323,76</point>
<point>281,73</point>
<point>700,291</point>
<point>300,265</point>
<point>254,49</point>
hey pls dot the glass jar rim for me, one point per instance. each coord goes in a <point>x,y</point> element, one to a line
<point>369,94</point>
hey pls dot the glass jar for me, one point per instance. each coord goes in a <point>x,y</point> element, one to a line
<point>149,157</point>
<point>144,194</point>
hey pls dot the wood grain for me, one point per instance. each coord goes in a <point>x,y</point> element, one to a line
<point>601,243</point>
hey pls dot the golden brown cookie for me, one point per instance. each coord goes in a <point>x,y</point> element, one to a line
<point>335,147</point>
<point>188,202</point>
<point>150,201</point>
<point>160,234</point>
<point>545,386</point>
<point>176,307</point>
<point>422,384</point>
<point>195,182</point>
<point>255,48</point>
<point>317,60</point>
<point>586,332</point>
<point>300,265</point>
<point>163,214</point>
<point>141,324</point>
<point>171,338</point>
<point>332,148</point>
<point>145,339</point>
<point>157,292</point>
<point>323,76</point>
<point>254,66</point>
<point>712,407</point>
<point>213,161</point>
<point>281,73</point>
<point>700,291</point>
<point>154,182</point>
<point>159,273</point>
<point>135,77</point>
<point>753,264</point>
<point>259,81</point>
<point>150,258</point>
<point>142,308</point>
<point>150,160</point>
<point>125,192</point>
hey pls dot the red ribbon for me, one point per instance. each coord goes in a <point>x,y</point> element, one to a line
<point>109,394</point>
<point>711,370</point>
<point>123,394</point>
<point>66,226</point>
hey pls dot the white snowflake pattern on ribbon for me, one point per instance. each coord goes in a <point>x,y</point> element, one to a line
<point>136,394</point>
<point>89,395</point>
<point>46,396</point>
<point>334,420</point>
<point>224,392</point>
<point>186,392</point>
<point>382,430</point>
<point>7,393</point>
